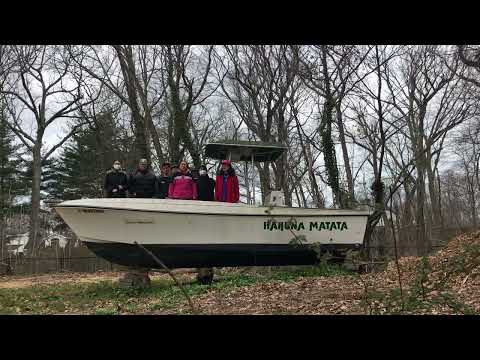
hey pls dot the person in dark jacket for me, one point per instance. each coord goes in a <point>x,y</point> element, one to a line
<point>174,170</point>
<point>205,185</point>
<point>195,174</point>
<point>226,184</point>
<point>143,182</point>
<point>205,192</point>
<point>116,182</point>
<point>164,181</point>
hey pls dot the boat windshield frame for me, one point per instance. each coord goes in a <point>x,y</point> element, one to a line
<point>247,151</point>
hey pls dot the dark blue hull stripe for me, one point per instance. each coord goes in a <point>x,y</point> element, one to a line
<point>211,255</point>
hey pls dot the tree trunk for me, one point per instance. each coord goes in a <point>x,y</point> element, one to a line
<point>281,179</point>
<point>474,211</point>
<point>405,232</point>
<point>264,173</point>
<point>302,196</point>
<point>35,213</point>
<point>142,135</point>
<point>180,112</point>
<point>307,154</point>
<point>187,140</point>
<point>2,234</point>
<point>470,183</point>
<point>346,159</point>
<point>155,137</point>
<point>329,154</point>
<point>101,142</point>
<point>141,147</point>
<point>439,193</point>
<point>151,131</point>
<point>432,191</point>
<point>180,130</point>
<point>247,187</point>
<point>3,206</point>
<point>299,202</point>
<point>317,197</point>
<point>421,236</point>
<point>174,140</point>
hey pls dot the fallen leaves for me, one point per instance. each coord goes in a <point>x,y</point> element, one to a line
<point>303,296</point>
<point>343,294</point>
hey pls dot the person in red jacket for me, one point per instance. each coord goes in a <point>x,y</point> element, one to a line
<point>226,184</point>
<point>183,186</point>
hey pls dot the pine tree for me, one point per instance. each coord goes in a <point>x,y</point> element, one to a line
<point>78,172</point>
<point>48,179</point>
<point>10,170</point>
<point>81,168</point>
<point>10,166</point>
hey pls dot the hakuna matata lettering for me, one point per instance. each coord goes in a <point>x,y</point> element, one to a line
<point>313,225</point>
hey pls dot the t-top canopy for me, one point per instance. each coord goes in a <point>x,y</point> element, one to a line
<point>243,150</point>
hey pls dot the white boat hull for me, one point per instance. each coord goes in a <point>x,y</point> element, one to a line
<point>197,233</point>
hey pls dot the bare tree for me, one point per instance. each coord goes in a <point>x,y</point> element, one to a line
<point>134,74</point>
<point>43,89</point>
<point>151,90</point>
<point>306,144</point>
<point>467,148</point>
<point>127,65</point>
<point>332,72</point>
<point>431,102</point>
<point>470,56</point>
<point>184,92</point>
<point>372,119</point>
<point>260,82</point>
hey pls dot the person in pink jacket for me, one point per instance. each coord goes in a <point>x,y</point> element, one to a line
<point>183,186</point>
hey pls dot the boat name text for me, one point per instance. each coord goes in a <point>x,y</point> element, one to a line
<point>139,221</point>
<point>313,225</point>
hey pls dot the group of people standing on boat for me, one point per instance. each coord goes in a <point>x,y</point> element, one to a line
<point>174,182</point>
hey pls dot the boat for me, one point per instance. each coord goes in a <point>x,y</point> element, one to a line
<point>188,233</point>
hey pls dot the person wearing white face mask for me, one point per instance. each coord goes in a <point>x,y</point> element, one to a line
<point>116,182</point>
<point>205,185</point>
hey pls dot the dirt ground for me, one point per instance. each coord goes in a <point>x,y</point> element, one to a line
<point>22,281</point>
